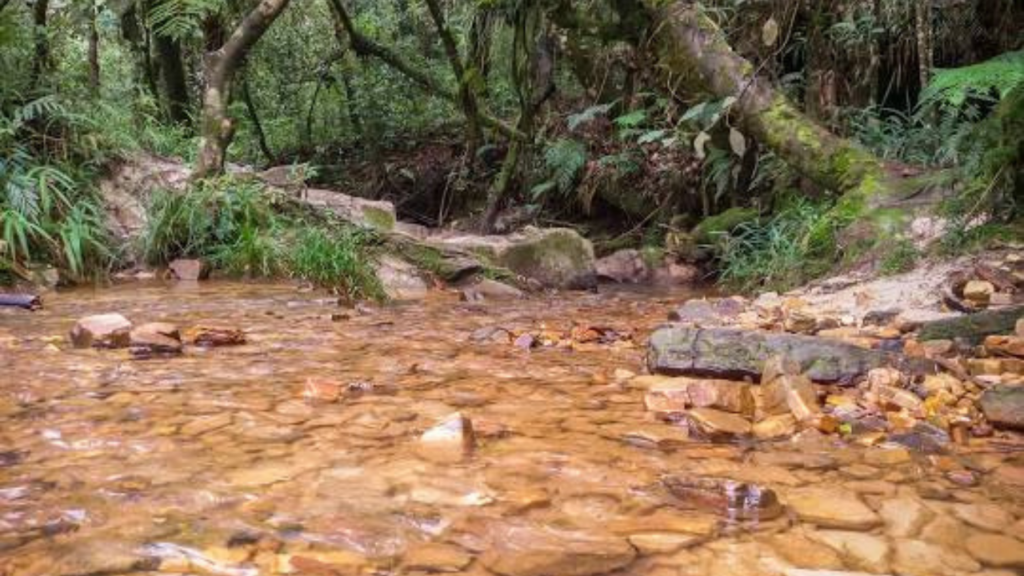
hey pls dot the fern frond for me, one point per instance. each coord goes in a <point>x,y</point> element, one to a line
<point>180,19</point>
<point>952,86</point>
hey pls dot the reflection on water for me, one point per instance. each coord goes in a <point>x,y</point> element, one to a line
<point>218,463</point>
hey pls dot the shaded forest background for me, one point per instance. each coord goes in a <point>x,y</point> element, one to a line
<point>775,139</point>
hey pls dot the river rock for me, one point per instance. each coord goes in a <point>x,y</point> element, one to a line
<point>189,270</point>
<point>554,257</point>
<point>979,291</point>
<point>778,426</point>
<point>625,266</point>
<point>668,397</point>
<point>1004,406</point>
<point>863,551</point>
<point>727,498</point>
<point>832,508</point>
<point>918,558</point>
<point>793,394</point>
<point>400,279</point>
<point>717,425</point>
<point>376,214</point>
<point>527,550</point>
<point>215,336</point>
<point>487,289</point>
<point>433,557</point>
<point>156,339</point>
<point>727,395</point>
<point>991,517</point>
<point>451,440</point>
<point>102,331</point>
<point>904,516</point>
<point>996,550</point>
<point>1005,345</point>
<point>729,353</point>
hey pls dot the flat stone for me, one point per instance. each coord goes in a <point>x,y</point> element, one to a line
<point>989,517</point>
<point>205,424</point>
<point>519,549</point>
<point>717,425</point>
<point>904,517</point>
<point>102,331</point>
<point>680,350</point>
<point>486,289</point>
<point>945,531</point>
<point>831,508</point>
<point>668,396</point>
<point>996,550</point>
<point>648,543</point>
<point>433,557</point>
<point>727,395</point>
<point>918,558</point>
<point>800,550</point>
<point>863,551</point>
<point>886,456</point>
<point>772,427</point>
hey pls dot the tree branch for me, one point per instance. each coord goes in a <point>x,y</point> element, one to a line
<point>364,46</point>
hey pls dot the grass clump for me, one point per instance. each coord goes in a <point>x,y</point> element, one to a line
<point>236,225</point>
<point>795,245</point>
<point>901,258</point>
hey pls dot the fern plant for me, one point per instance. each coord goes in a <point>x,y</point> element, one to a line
<point>180,19</point>
<point>954,86</point>
<point>563,161</point>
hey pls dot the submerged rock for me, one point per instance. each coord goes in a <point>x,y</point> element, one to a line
<point>487,289</point>
<point>735,500</point>
<point>214,337</point>
<point>624,266</point>
<point>529,550</point>
<point>190,270</point>
<point>717,425</point>
<point>400,279</point>
<point>730,353</point>
<point>102,331</point>
<point>449,441</point>
<point>832,508</point>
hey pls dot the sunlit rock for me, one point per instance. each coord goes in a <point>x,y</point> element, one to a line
<point>451,440</point>
<point>102,331</point>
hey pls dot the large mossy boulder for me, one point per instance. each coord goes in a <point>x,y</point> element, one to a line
<point>730,353</point>
<point>555,257</point>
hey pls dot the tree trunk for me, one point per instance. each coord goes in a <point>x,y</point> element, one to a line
<point>257,125</point>
<point>41,62</point>
<point>364,46</point>
<point>467,99</point>
<point>172,75</point>
<point>94,51</point>
<point>220,67</point>
<point>693,53</point>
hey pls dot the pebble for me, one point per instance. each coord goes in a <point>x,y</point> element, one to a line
<point>996,550</point>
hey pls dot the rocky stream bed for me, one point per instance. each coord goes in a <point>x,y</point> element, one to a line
<point>260,429</point>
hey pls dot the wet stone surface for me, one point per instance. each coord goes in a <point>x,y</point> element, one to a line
<point>299,449</point>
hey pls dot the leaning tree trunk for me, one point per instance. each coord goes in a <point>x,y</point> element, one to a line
<point>220,67</point>
<point>875,196</point>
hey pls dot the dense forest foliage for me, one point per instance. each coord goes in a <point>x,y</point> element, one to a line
<point>777,138</point>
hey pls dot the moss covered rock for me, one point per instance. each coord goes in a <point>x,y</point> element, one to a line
<point>713,227</point>
<point>555,257</point>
